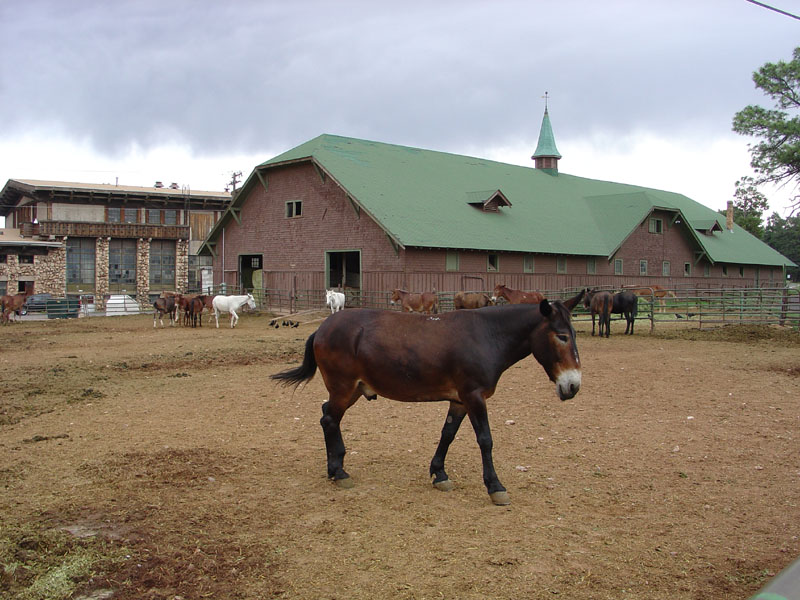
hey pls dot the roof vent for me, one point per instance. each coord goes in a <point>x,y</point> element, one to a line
<point>159,184</point>
<point>173,186</point>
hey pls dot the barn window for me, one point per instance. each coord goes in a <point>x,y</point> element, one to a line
<point>170,217</point>
<point>528,264</point>
<point>741,271</point>
<point>687,269</point>
<point>3,258</point>
<point>122,215</point>
<point>154,216</point>
<point>706,270</point>
<point>451,261</point>
<point>724,270</point>
<point>642,267</point>
<point>493,262</point>
<point>591,266</point>
<point>26,259</point>
<point>294,208</point>
<point>561,265</point>
<point>162,264</point>
<point>617,266</point>
<point>80,264</point>
<point>656,226</point>
<point>121,265</point>
<point>665,268</point>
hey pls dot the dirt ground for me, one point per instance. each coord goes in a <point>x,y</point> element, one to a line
<point>168,465</point>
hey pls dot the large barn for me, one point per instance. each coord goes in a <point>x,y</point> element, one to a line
<point>370,216</point>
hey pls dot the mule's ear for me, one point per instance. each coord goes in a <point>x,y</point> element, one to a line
<point>545,308</point>
<point>572,302</point>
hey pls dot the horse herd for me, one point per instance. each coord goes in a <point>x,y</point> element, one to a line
<point>192,306</point>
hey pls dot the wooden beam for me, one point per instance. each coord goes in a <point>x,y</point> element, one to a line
<point>235,212</point>
<point>355,206</point>
<point>262,178</point>
<point>211,248</point>
<point>319,171</point>
<point>394,244</point>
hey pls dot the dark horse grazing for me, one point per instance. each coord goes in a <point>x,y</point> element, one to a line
<point>426,302</point>
<point>471,300</point>
<point>600,304</point>
<point>516,296</point>
<point>457,357</point>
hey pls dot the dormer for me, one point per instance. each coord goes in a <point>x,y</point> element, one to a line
<point>488,201</point>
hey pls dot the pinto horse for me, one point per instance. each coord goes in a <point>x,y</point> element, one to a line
<point>163,306</point>
<point>516,296</point>
<point>457,357</point>
<point>600,303</point>
<point>231,304</point>
<point>426,302</point>
<point>471,300</point>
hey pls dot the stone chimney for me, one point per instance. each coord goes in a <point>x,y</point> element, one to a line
<point>729,216</point>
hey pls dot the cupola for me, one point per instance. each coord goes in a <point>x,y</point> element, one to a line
<point>546,155</point>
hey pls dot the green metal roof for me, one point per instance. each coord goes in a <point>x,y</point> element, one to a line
<point>423,198</point>
<point>547,141</point>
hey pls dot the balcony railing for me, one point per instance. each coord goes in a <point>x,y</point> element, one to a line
<point>114,230</point>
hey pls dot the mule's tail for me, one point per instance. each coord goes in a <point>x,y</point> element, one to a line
<point>302,373</point>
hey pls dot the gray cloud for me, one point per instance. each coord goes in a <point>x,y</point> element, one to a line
<point>251,76</point>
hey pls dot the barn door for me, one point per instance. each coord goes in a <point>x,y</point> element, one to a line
<point>343,269</point>
<point>250,272</point>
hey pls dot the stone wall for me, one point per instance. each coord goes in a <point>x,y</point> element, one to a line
<point>143,272</point>
<point>101,272</point>
<point>48,271</point>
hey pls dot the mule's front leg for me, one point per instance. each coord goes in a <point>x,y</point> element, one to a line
<point>480,423</point>
<point>455,416</point>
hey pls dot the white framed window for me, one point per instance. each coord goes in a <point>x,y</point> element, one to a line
<point>294,208</point>
<point>665,268</point>
<point>642,267</point>
<point>617,266</point>
<point>451,261</point>
<point>528,264</point>
<point>561,265</point>
<point>493,262</point>
<point>591,266</point>
<point>656,225</point>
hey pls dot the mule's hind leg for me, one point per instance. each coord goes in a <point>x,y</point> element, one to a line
<point>455,416</point>
<point>332,413</point>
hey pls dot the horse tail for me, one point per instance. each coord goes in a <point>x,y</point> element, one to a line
<point>302,373</point>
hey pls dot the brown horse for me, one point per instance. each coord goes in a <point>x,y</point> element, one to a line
<point>655,292</point>
<point>516,296</point>
<point>12,304</point>
<point>457,357</point>
<point>600,303</point>
<point>165,306</point>
<point>426,302</point>
<point>471,300</point>
<point>193,310</point>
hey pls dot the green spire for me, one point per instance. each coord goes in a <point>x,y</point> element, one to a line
<point>547,141</point>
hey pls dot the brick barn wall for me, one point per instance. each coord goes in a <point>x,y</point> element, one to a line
<point>293,249</point>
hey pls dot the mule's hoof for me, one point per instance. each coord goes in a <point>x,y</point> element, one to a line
<point>444,485</point>
<point>500,498</point>
<point>345,483</point>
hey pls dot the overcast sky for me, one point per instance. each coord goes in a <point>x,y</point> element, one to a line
<point>190,91</point>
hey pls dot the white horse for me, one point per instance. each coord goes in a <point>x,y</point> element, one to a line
<point>335,300</point>
<point>231,304</point>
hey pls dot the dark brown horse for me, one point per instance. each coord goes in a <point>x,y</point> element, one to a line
<point>426,302</point>
<point>626,303</point>
<point>600,305</point>
<point>471,300</point>
<point>516,296</point>
<point>165,306</point>
<point>456,357</point>
<point>193,310</point>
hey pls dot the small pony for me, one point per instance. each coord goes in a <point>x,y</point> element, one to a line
<point>463,300</point>
<point>335,300</point>
<point>426,302</point>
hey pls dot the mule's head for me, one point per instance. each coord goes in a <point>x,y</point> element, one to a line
<point>395,296</point>
<point>328,297</point>
<point>251,302</point>
<point>554,346</point>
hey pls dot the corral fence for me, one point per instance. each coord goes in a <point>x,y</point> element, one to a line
<point>690,307</point>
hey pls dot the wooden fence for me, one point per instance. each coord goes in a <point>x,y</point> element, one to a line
<point>693,307</point>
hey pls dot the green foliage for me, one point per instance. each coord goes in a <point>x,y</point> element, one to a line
<point>776,157</point>
<point>784,236</point>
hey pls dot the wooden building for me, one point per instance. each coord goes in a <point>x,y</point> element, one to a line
<point>96,239</point>
<point>370,217</point>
